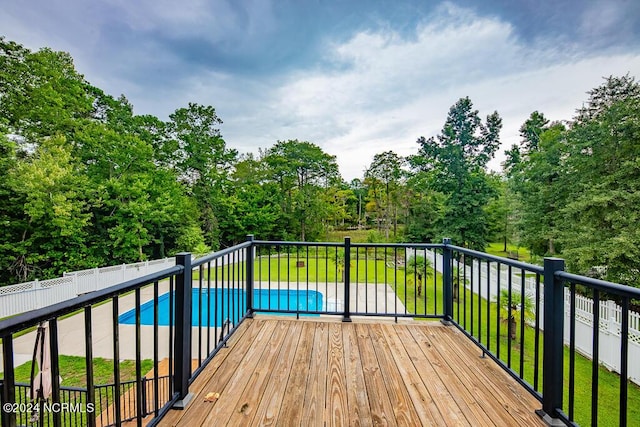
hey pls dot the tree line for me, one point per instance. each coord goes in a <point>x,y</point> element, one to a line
<point>86,182</point>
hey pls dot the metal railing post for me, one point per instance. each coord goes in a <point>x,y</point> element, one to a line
<point>182,342</point>
<point>553,357</point>
<point>250,278</point>
<point>447,280</point>
<point>347,279</point>
<point>8,383</point>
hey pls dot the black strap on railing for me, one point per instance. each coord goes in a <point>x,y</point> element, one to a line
<point>225,324</point>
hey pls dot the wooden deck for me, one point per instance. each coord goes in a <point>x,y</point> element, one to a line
<point>302,372</point>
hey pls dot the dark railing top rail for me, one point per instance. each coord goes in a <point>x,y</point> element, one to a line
<point>219,254</point>
<point>341,244</point>
<point>506,261</point>
<point>302,244</point>
<point>602,285</point>
<point>33,318</point>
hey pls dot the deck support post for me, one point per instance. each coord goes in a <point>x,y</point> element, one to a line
<point>182,342</point>
<point>447,281</point>
<point>347,279</point>
<point>249,275</point>
<point>553,357</point>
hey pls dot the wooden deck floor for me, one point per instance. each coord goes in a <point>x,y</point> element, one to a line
<point>301,372</point>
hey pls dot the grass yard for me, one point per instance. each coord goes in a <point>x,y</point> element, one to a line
<point>72,371</point>
<point>496,248</point>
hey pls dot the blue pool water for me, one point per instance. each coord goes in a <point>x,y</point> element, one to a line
<point>227,304</point>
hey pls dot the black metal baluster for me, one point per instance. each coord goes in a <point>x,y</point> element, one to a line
<point>218,316</point>
<point>209,308</point>
<point>139,409</point>
<point>624,356</point>
<point>488,305</point>
<point>357,281</point>
<point>171,335</point>
<point>55,369</point>
<point>156,391</point>
<point>375,276</point>
<point>405,280</point>
<point>523,302</point>
<point>395,281</point>
<point>595,362</point>
<point>464,294</point>
<point>498,292</point>
<point>536,368</point>
<point>509,314</point>
<point>366,280</point>
<point>116,361</point>
<point>88,351</point>
<point>473,261</point>
<point>479,300</point>
<point>200,312</point>
<point>435,284</point>
<point>572,350</point>
<point>386,273</point>
<point>8,381</point>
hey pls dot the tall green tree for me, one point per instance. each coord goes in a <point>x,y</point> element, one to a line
<point>457,160</point>
<point>56,212</point>
<point>303,171</point>
<point>384,176</point>
<point>41,92</point>
<point>202,161</point>
<point>603,167</point>
<point>535,171</point>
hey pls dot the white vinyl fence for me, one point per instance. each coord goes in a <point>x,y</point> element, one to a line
<point>484,283</point>
<point>15,299</point>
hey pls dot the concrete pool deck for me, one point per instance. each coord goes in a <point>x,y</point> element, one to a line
<point>370,298</point>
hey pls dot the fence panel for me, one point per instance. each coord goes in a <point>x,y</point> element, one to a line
<point>15,299</point>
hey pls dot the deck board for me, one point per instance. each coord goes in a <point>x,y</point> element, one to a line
<point>306,372</point>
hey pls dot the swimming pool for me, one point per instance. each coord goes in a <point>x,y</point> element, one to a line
<point>227,304</point>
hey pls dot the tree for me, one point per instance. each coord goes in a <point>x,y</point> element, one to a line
<point>56,212</point>
<point>41,93</point>
<point>419,266</point>
<point>457,160</point>
<point>535,175</point>
<point>201,160</point>
<point>603,172</point>
<point>385,171</point>
<point>510,309</point>
<point>302,170</point>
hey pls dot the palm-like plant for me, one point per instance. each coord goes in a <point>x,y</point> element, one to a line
<point>419,266</point>
<point>509,309</point>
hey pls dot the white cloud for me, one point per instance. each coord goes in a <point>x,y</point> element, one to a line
<point>388,89</point>
<point>374,91</point>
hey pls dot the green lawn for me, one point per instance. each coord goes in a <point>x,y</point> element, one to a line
<point>496,248</point>
<point>72,370</point>
<point>73,373</point>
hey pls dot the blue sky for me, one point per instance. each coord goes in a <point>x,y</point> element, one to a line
<point>355,77</point>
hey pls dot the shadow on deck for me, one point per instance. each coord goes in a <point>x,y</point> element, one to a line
<point>324,372</point>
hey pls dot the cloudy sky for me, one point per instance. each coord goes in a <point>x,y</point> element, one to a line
<point>356,77</point>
